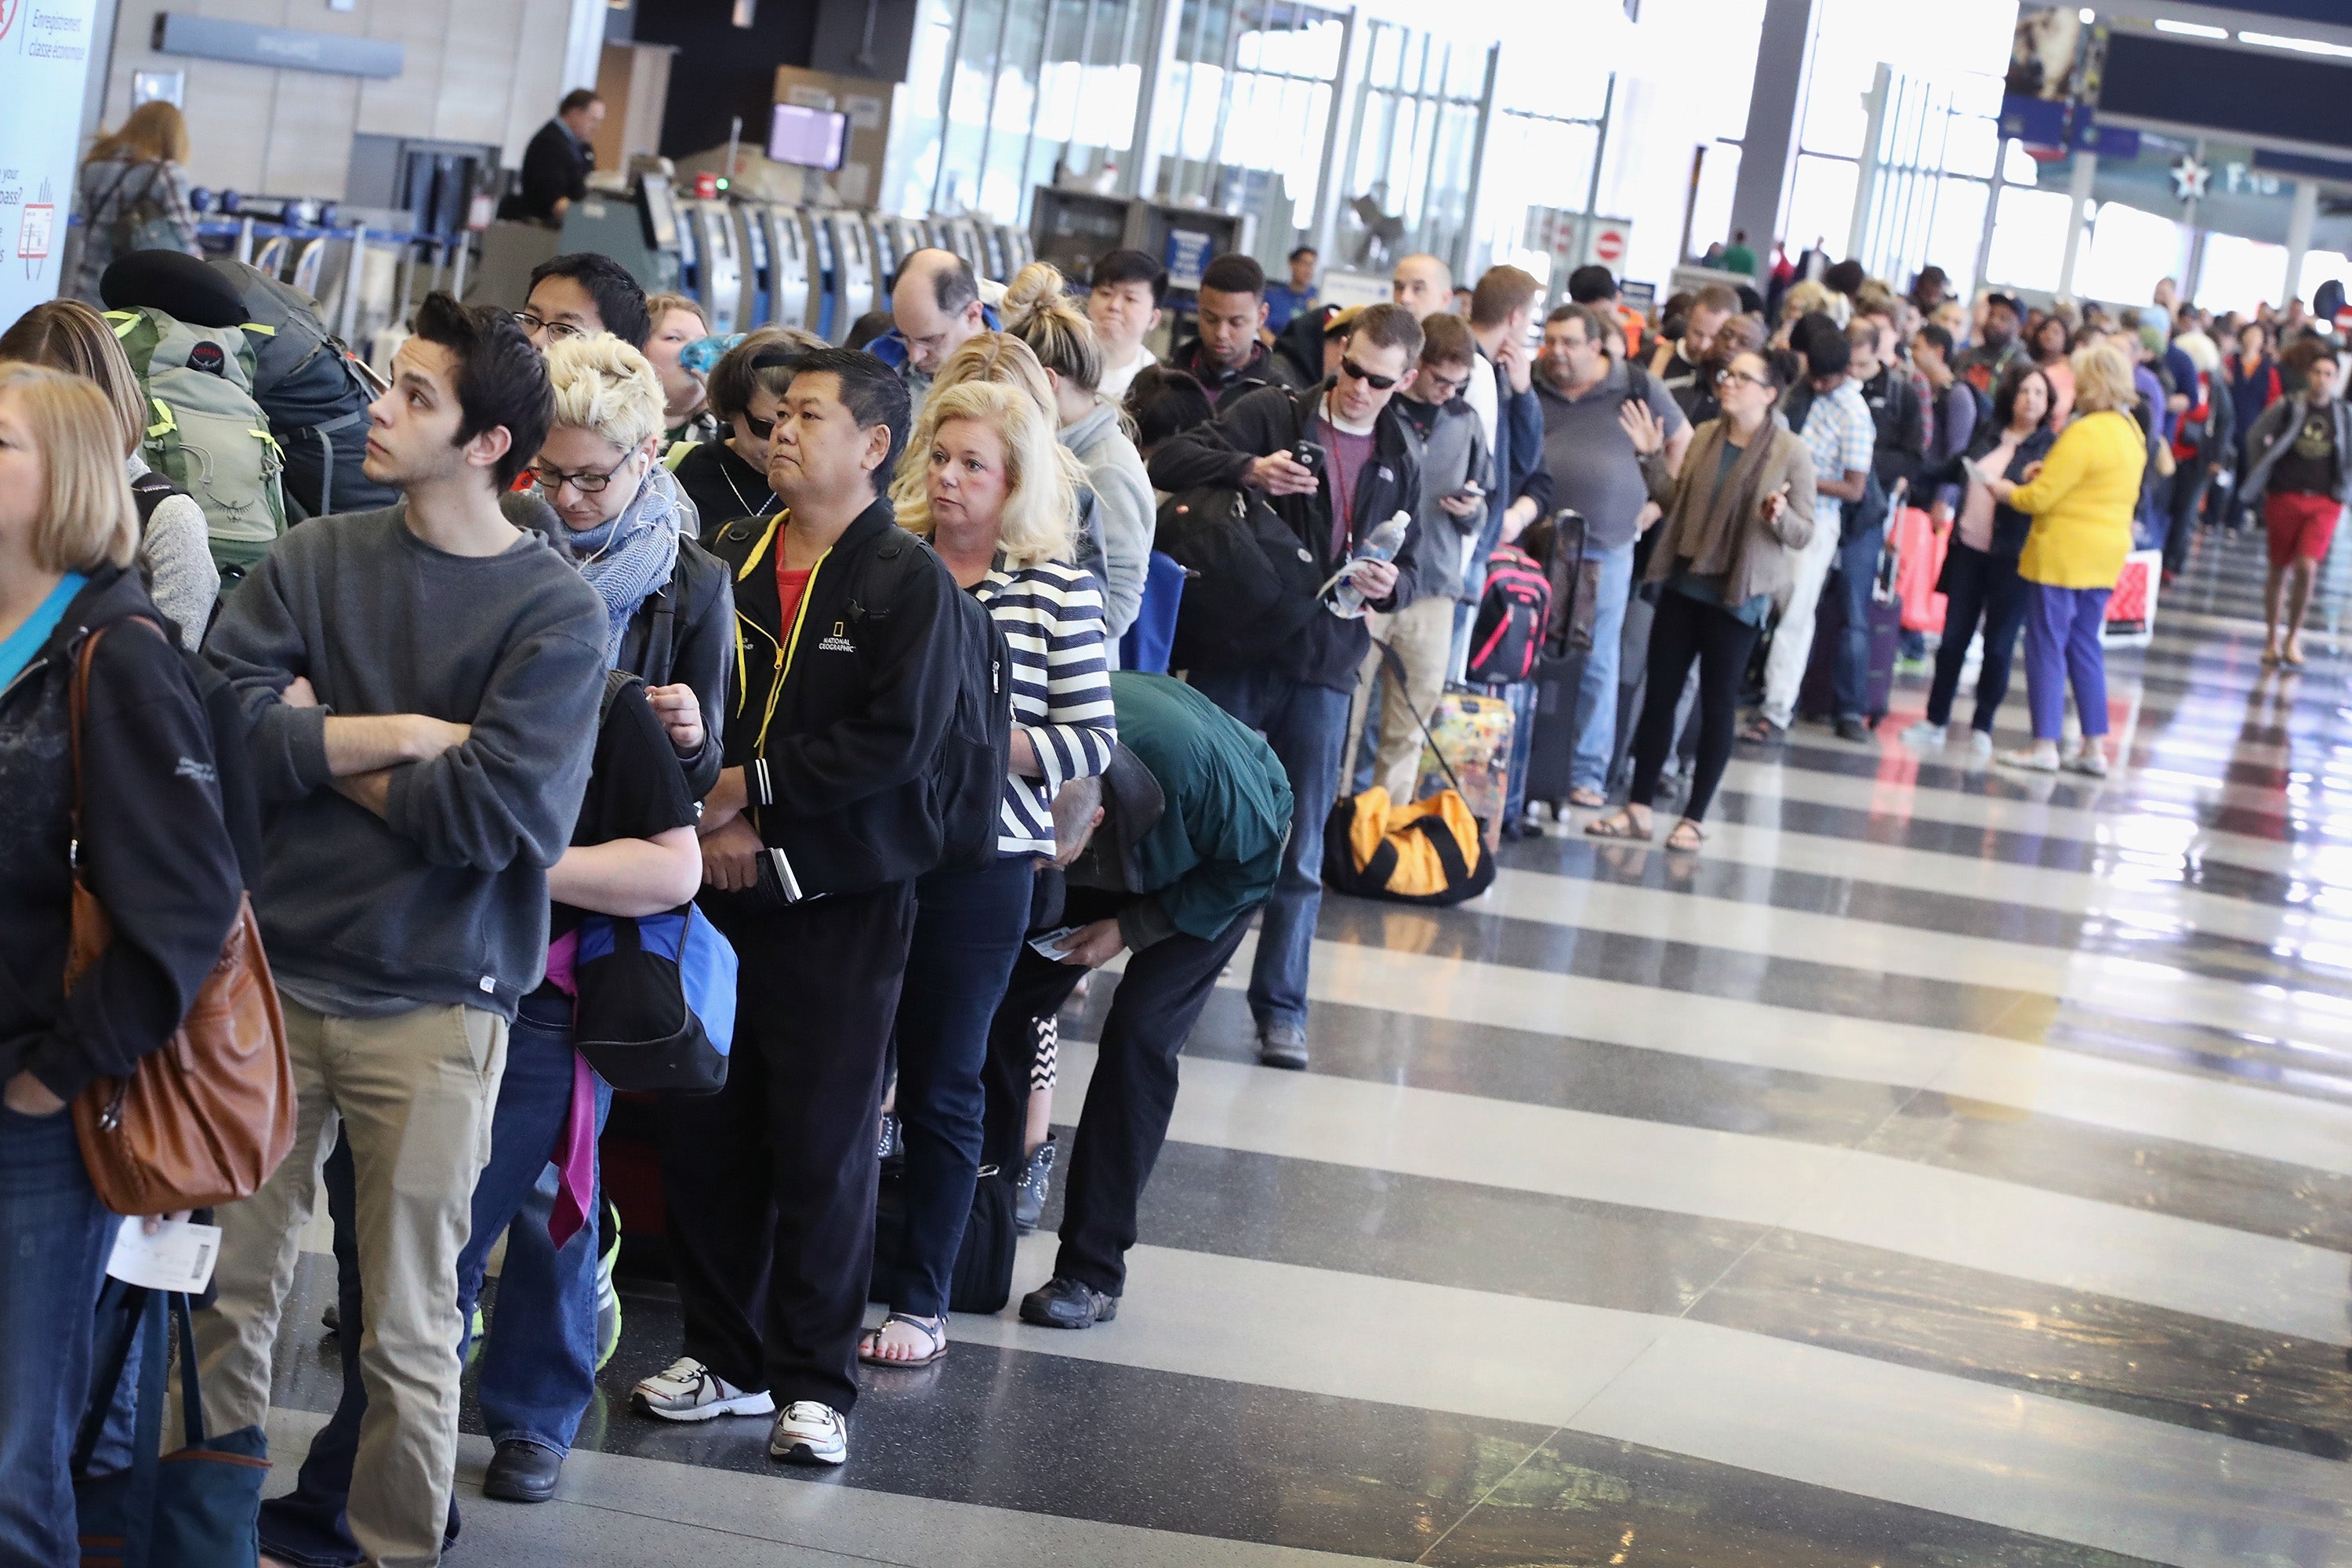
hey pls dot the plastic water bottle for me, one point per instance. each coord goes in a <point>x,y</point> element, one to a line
<point>1347,600</point>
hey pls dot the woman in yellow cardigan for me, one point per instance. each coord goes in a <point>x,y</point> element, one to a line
<point>2081,498</point>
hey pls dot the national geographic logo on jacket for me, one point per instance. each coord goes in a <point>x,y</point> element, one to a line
<point>837,640</point>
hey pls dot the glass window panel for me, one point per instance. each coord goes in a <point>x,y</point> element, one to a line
<point>2240,274</point>
<point>2128,251</point>
<point>2018,166</point>
<point>1956,229</point>
<point>912,163</point>
<point>1820,202</point>
<point>1386,56</point>
<point>1719,174</point>
<point>1003,188</point>
<point>2029,237</point>
<point>1975,143</point>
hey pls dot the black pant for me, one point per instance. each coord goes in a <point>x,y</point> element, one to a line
<point>1683,630</point>
<point>770,1182</point>
<point>1133,1091</point>
<point>1977,586</point>
<point>2188,485</point>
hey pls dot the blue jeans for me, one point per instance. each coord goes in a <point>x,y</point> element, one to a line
<point>1521,696</point>
<point>541,1383</point>
<point>1307,728</point>
<point>1596,690</point>
<point>1856,571</point>
<point>54,1238</point>
<point>2062,641</point>
<point>538,1359</point>
<point>967,930</point>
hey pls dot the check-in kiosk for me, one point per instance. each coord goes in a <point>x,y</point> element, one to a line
<point>1017,253</point>
<point>992,254</point>
<point>887,257</point>
<point>718,277</point>
<point>961,235</point>
<point>751,245</point>
<point>795,294</point>
<point>908,235</point>
<point>852,290</point>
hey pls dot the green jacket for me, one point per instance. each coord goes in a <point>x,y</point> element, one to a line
<point>1214,853</point>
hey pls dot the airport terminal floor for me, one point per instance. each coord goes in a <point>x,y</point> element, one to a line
<point>1950,1166</point>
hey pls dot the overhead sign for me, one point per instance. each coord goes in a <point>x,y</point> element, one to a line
<point>44,70</point>
<point>215,39</point>
<point>1607,242</point>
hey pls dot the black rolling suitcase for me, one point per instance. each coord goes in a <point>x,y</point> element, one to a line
<point>1817,697</point>
<point>1560,669</point>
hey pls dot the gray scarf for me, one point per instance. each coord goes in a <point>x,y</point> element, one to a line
<point>628,559</point>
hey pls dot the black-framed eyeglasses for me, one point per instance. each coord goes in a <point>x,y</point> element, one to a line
<point>532,326</point>
<point>1377,383</point>
<point>553,480</point>
<point>1725,377</point>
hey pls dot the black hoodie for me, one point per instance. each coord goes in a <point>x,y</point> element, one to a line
<point>855,737</point>
<point>157,851</point>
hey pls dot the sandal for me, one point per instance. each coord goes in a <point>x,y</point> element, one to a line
<point>2292,655</point>
<point>869,1348</point>
<point>1618,823</point>
<point>1687,837</point>
<point>1762,731</point>
<point>1586,799</point>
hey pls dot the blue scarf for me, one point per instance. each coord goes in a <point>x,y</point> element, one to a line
<point>629,558</point>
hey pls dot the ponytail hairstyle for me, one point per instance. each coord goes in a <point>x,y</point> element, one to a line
<point>1039,311</point>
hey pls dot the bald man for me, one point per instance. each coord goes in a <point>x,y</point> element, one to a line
<point>1422,284</point>
<point>936,307</point>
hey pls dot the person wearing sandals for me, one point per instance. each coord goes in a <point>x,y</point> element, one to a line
<point>986,482</point>
<point>2299,471</point>
<point>2081,498</point>
<point>1739,512</point>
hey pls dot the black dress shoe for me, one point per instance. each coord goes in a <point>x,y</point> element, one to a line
<point>522,1471</point>
<point>1063,1303</point>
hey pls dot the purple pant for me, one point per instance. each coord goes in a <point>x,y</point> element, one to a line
<point>2062,640</point>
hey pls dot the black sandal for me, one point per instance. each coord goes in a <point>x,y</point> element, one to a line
<point>872,1342</point>
<point>1619,824</point>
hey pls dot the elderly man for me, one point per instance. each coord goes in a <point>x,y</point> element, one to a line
<point>936,307</point>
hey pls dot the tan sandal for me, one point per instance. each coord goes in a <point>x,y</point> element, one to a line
<point>1687,837</point>
<point>1618,823</point>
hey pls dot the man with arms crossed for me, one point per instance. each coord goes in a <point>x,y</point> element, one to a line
<point>423,683</point>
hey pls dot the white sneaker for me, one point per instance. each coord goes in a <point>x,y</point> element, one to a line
<point>690,1391</point>
<point>1980,743</point>
<point>808,1433</point>
<point>2090,760</point>
<point>2033,759</point>
<point>1926,736</point>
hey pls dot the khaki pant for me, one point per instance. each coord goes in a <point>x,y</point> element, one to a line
<point>415,1094</point>
<point>1422,634</point>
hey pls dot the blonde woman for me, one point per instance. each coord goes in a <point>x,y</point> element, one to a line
<point>677,320</point>
<point>1039,311</point>
<point>155,849</point>
<point>173,548</point>
<point>2081,498</point>
<point>134,194</point>
<point>984,480</point>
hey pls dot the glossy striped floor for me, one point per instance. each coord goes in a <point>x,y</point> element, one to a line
<point>1951,1168</point>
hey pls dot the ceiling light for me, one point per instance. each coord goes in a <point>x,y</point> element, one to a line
<point>2190,29</point>
<point>2300,46</point>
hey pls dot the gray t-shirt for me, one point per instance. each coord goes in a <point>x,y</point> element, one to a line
<point>1591,459</point>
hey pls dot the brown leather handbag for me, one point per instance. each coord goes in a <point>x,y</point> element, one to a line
<point>206,1119</point>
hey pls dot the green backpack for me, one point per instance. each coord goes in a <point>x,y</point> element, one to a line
<point>205,433</point>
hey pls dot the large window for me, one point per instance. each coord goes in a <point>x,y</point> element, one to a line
<point>1245,112</point>
<point>1407,180</point>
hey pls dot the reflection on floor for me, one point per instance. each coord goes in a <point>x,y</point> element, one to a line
<point>1952,1167</point>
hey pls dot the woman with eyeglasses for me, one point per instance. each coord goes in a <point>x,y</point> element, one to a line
<point>727,478</point>
<point>1979,581</point>
<point>1737,514</point>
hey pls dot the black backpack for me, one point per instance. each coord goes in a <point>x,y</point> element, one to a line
<point>1515,606</point>
<point>315,392</point>
<point>1250,586</point>
<point>976,755</point>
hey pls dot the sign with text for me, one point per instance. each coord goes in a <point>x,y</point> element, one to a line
<point>44,70</point>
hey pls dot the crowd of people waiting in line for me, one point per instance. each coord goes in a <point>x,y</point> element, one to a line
<point>834,645</point>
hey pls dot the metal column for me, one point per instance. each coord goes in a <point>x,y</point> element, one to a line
<point>1776,108</point>
<point>2298,238</point>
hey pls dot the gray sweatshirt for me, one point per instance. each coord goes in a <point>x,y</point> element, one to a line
<point>1124,509</point>
<point>444,900</point>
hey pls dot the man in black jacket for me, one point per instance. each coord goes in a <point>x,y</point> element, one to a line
<point>855,648</point>
<point>1293,683</point>
<point>555,165</point>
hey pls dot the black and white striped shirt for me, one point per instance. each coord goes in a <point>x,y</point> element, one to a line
<point>1052,618</point>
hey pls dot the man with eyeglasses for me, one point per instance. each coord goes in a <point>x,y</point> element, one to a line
<point>1456,474</point>
<point>1321,469</point>
<point>580,295</point>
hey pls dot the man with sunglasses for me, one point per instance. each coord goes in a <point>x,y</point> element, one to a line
<point>1272,650</point>
<point>1456,474</point>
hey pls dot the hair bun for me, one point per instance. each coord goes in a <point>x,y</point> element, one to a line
<point>1035,289</point>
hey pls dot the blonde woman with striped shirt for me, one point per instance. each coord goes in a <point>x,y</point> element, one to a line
<point>985,481</point>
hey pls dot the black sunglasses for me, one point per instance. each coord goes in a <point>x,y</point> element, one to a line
<point>1377,383</point>
<point>761,429</point>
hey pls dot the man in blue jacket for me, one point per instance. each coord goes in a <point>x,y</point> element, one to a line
<point>1167,855</point>
<point>937,306</point>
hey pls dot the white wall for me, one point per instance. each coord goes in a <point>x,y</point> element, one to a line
<point>476,71</point>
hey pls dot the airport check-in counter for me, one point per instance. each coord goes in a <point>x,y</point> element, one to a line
<point>1017,253</point>
<point>850,281</point>
<point>887,257</point>
<point>908,235</point>
<point>795,291</point>
<point>717,278</point>
<point>962,234</point>
<point>751,247</point>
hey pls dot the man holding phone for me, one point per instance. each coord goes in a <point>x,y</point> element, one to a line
<point>1292,680</point>
<point>1456,473</point>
